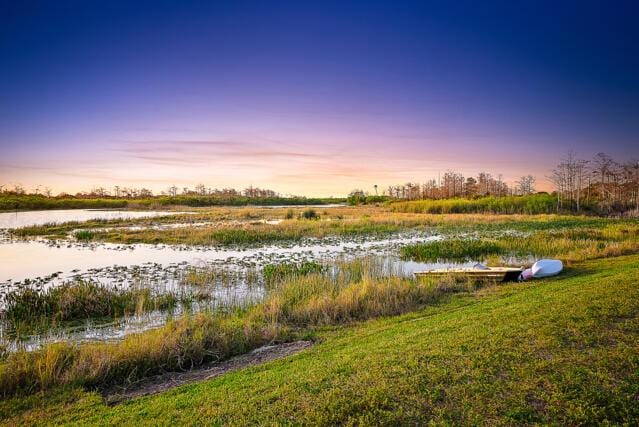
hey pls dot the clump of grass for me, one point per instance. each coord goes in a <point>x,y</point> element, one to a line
<point>213,276</point>
<point>274,273</point>
<point>84,235</point>
<point>79,300</point>
<point>331,298</point>
<point>290,214</point>
<point>310,214</point>
<point>451,249</point>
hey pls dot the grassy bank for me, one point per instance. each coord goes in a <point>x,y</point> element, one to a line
<point>297,305</point>
<point>555,351</point>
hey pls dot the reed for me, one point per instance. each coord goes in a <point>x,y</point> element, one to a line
<point>451,249</point>
<point>180,345</point>
<point>275,273</point>
<point>533,204</point>
<point>25,308</point>
<point>84,235</point>
<point>348,291</point>
<point>569,245</point>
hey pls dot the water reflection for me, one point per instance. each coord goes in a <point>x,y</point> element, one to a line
<point>12,220</point>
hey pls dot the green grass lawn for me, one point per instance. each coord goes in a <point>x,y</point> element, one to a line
<point>563,351</point>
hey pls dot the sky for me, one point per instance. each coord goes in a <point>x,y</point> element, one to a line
<point>310,98</point>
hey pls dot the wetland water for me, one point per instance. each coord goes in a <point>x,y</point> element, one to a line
<point>11,220</point>
<point>42,263</point>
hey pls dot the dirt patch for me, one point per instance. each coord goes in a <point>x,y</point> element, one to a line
<point>160,383</point>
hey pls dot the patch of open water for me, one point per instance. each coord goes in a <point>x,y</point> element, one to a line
<point>42,263</point>
<point>12,220</point>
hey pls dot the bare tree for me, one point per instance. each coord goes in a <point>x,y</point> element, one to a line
<point>526,185</point>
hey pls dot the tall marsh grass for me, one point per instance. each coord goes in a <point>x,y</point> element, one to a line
<point>180,345</point>
<point>568,245</point>
<point>84,235</point>
<point>26,307</point>
<point>534,204</point>
<point>275,273</point>
<point>450,249</point>
<point>349,291</point>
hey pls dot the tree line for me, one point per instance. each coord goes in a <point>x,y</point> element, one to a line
<point>119,192</point>
<point>601,184</point>
<point>453,185</point>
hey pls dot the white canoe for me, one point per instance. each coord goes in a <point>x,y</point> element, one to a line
<point>546,268</point>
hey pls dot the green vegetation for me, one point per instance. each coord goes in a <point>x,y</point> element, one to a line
<point>541,203</point>
<point>207,277</point>
<point>275,273</point>
<point>27,308</point>
<point>25,202</point>
<point>555,351</point>
<point>181,344</point>
<point>600,240</point>
<point>84,235</point>
<point>232,226</point>
<point>310,214</point>
<point>252,233</point>
<point>363,199</point>
<point>360,290</point>
<point>10,201</point>
<point>450,249</point>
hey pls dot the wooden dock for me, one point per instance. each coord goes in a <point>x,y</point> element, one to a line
<point>495,274</point>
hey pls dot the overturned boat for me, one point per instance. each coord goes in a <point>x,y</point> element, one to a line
<point>542,268</point>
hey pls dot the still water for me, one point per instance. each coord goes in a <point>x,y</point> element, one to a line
<point>11,220</point>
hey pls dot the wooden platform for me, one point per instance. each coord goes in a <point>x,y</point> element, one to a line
<point>497,274</point>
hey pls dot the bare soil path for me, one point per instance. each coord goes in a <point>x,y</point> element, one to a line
<point>163,382</point>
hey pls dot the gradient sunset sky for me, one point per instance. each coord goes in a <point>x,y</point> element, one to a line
<point>312,98</point>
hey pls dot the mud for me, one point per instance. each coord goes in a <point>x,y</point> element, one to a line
<point>164,382</point>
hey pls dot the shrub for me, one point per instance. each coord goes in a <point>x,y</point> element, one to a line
<point>310,214</point>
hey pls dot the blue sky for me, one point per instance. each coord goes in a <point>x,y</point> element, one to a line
<point>310,97</point>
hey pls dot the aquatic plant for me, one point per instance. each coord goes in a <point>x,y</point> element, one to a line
<point>274,273</point>
<point>84,235</point>
<point>319,298</point>
<point>450,250</point>
<point>80,300</point>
